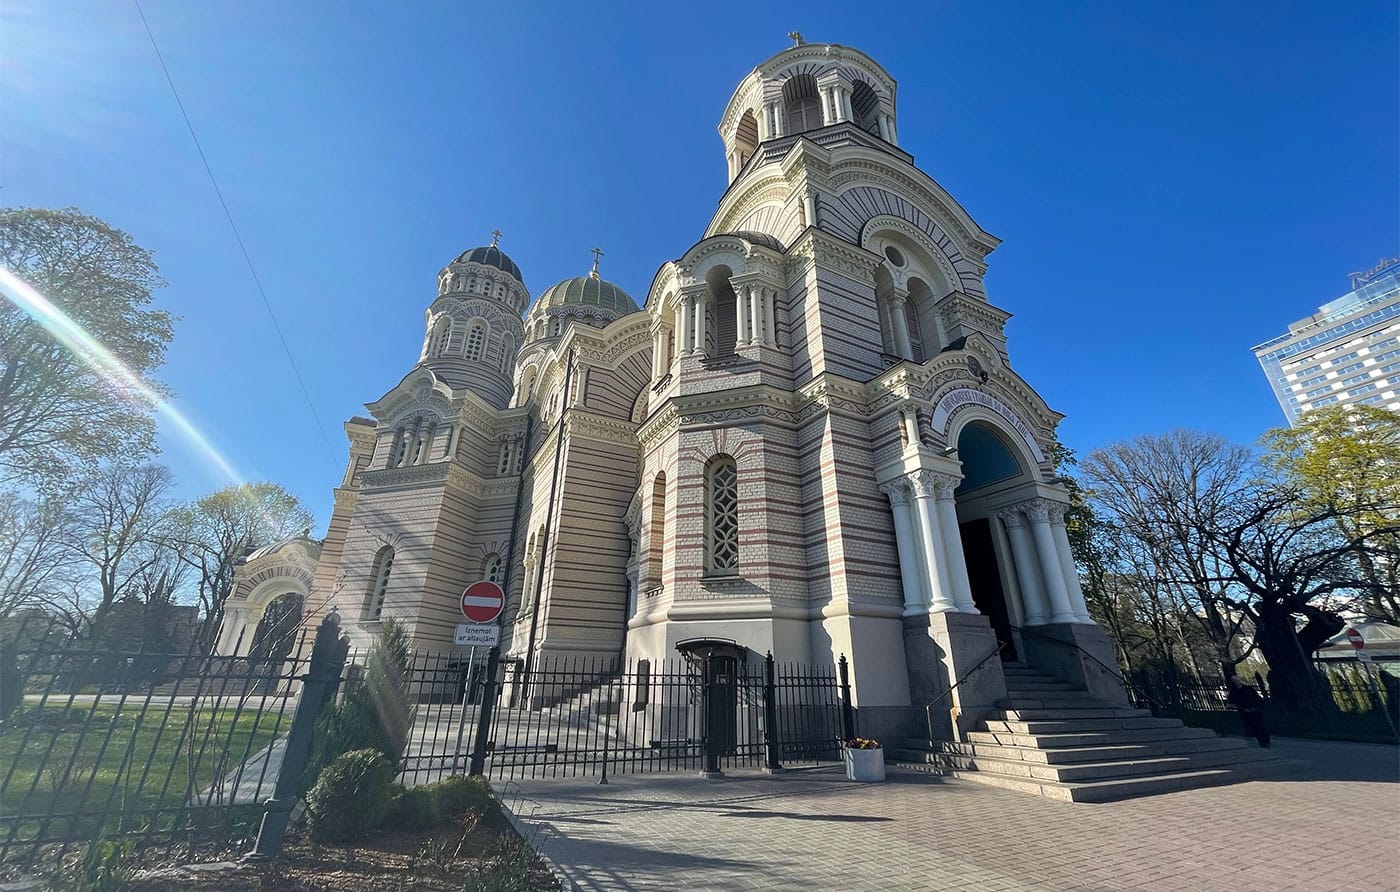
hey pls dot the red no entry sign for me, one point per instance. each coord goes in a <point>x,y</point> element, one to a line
<point>481,602</point>
<point>1354,636</point>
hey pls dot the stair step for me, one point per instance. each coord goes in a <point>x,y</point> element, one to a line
<point>1124,788</point>
<point>1016,685</point>
<point>1089,772</point>
<point>1049,700</point>
<point>1067,713</point>
<point>1108,752</point>
<point>1074,726</point>
<point>1072,739</point>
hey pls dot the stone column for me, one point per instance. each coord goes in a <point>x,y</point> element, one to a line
<point>1051,570</point>
<point>809,205</point>
<point>848,114</point>
<point>1066,554</point>
<point>778,123</point>
<point>900,325</point>
<point>915,598</point>
<point>935,561</point>
<point>743,299</point>
<point>699,301</point>
<point>684,318</point>
<point>754,314</point>
<point>944,485</point>
<point>410,455</point>
<point>770,317</point>
<point>1023,557</point>
<point>658,345</point>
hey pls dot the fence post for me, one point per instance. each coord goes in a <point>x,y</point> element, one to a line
<point>327,661</point>
<point>488,708</point>
<point>770,714</point>
<point>848,715</point>
<point>710,734</point>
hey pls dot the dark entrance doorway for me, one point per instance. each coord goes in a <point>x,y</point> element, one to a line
<point>985,580</point>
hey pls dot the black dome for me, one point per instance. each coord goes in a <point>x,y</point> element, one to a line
<point>492,256</point>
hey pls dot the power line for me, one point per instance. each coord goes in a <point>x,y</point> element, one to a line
<point>238,237</point>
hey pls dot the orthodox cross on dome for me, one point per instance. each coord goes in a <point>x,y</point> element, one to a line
<point>796,38</point>
<point>495,237</point>
<point>597,252</point>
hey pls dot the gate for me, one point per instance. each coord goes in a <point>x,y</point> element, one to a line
<point>563,717</point>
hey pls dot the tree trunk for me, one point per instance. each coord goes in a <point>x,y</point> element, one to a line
<point>1293,681</point>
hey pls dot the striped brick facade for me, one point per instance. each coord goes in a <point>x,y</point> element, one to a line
<point>831,336</point>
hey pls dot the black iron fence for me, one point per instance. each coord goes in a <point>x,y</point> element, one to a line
<point>97,740</point>
<point>574,717</point>
<point>1367,707</point>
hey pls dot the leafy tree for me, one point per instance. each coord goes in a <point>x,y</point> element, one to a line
<point>1346,459</point>
<point>58,412</point>
<point>214,533</point>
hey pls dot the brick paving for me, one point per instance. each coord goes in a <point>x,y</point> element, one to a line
<point>1331,822</point>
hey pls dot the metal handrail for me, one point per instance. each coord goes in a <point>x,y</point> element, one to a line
<point>966,676</point>
<point>1111,670</point>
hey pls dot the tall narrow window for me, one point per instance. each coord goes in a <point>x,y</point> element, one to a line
<point>442,333</point>
<point>425,443</point>
<point>722,515</point>
<point>379,586</point>
<point>803,107</point>
<point>491,568</point>
<point>476,337</point>
<point>507,351</point>
<point>656,545</point>
<point>399,450</point>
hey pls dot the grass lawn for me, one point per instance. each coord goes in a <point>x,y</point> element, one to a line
<point>123,767</point>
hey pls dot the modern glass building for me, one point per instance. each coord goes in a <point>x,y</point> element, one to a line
<point>1347,352</point>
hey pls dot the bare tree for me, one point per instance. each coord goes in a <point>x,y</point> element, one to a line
<point>37,571</point>
<point>120,532</point>
<point>1169,492</point>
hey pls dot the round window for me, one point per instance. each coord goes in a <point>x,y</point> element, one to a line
<point>894,255</point>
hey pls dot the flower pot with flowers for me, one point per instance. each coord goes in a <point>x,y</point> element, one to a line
<point>865,760</point>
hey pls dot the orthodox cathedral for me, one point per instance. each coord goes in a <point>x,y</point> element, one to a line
<point>806,438</point>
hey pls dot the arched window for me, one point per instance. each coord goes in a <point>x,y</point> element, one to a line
<point>399,450</point>
<point>656,542</point>
<point>379,583</point>
<point>425,443</point>
<point>476,338</point>
<point>558,326</point>
<point>491,568</point>
<point>802,104</point>
<point>746,137</point>
<point>866,106</point>
<point>442,334</point>
<point>722,515</point>
<point>722,310</point>
<point>916,333</point>
<point>507,351</point>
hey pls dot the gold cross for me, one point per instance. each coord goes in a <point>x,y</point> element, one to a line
<point>597,252</point>
<point>495,237</point>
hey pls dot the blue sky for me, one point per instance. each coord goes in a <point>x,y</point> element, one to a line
<point>1173,182</point>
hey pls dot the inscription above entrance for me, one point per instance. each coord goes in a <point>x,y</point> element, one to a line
<point>956,400</point>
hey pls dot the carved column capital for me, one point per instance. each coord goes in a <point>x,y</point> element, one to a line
<point>1011,517</point>
<point>1041,510</point>
<point>898,492</point>
<point>943,484</point>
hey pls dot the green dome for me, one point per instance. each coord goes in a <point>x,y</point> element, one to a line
<point>587,291</point>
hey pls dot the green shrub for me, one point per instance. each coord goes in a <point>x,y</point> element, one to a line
<point>102,868</point>
<point>456,795</point>
<point>413,808</point>
<point>350,797</point>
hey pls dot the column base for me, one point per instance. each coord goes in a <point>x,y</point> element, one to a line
<point>1079,653</point>
<point>939,650</point>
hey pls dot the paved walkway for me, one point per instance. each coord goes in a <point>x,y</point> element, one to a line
<point>1332,823</point>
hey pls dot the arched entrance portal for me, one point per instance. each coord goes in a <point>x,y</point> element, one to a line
<point>992,469</point>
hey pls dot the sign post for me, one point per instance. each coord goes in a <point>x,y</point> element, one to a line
<point>481,604</point>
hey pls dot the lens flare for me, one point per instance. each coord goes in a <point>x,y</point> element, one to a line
<point>101,360</point>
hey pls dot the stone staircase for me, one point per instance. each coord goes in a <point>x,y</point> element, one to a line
<point>1055,741</point>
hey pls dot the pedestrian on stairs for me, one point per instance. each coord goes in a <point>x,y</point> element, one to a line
<point>1251,707</point>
